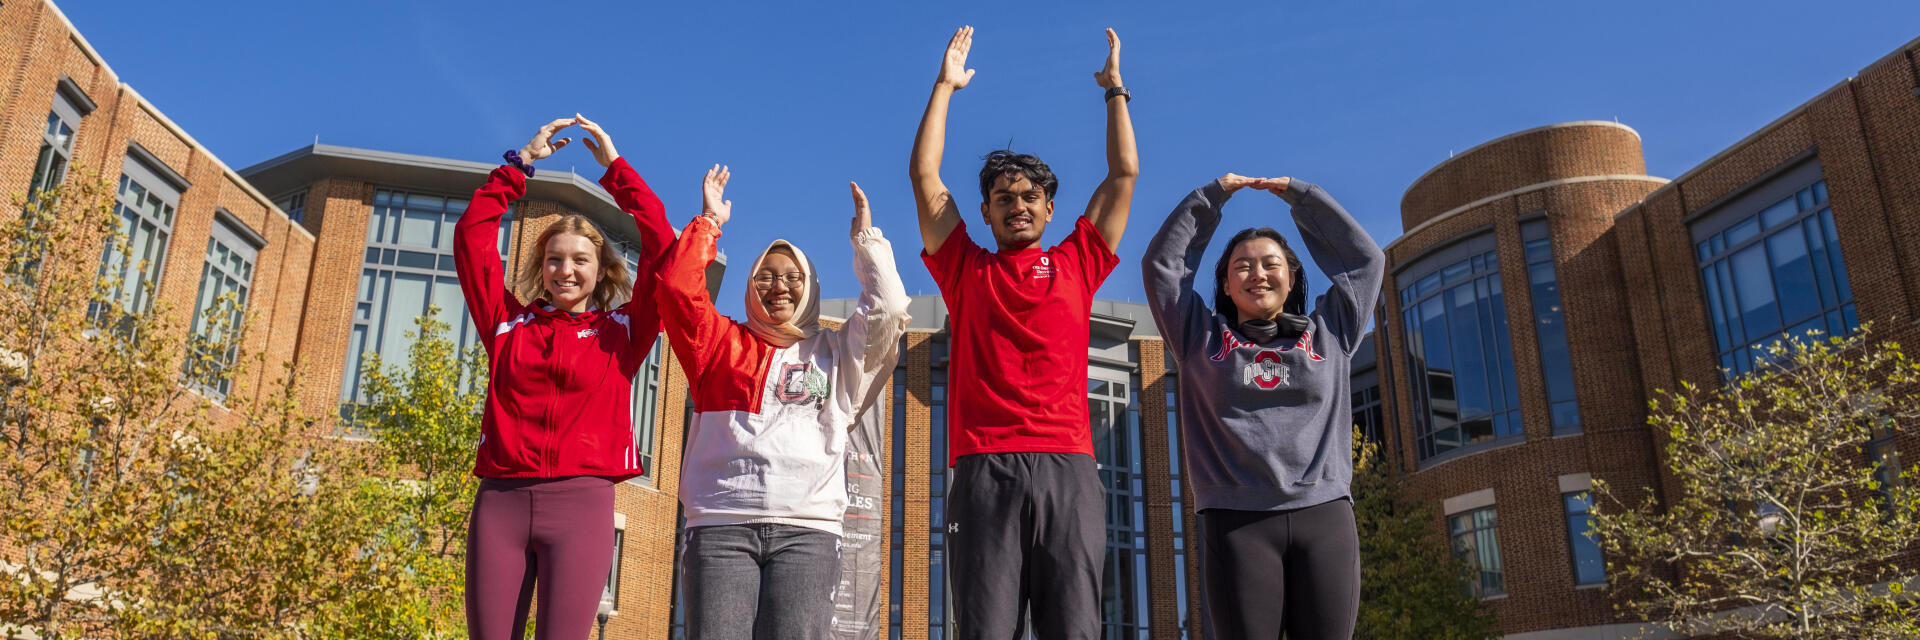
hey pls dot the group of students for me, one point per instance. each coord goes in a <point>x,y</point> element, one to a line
<point>1264,387</point>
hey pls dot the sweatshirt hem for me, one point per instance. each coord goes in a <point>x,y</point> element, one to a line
<point>721,520</point>
<point>1266,498</point>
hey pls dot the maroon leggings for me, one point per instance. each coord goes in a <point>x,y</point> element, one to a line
<point>559,530</point>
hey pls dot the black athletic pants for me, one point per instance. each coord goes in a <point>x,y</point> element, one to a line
<point>1026,528</point>
<point>1296,571</point>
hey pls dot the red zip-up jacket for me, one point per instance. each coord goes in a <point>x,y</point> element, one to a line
<point>559,386</point>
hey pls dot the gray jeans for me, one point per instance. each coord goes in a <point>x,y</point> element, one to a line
<point>759,581</point>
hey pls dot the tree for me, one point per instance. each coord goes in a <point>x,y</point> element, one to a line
<point>132,505</point>
<point>425,422</point>
<point>1779,523</point>
<point>1412,586</point>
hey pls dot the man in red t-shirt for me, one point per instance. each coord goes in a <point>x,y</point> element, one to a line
<point>1025,517</point>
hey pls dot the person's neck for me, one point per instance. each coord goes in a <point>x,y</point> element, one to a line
<point>578,307</point>
<point>1017,247</point>
<point>1243,316</point>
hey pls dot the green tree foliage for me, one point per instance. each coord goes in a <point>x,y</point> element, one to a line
<point>1778,523</point>
<point>424,419</point>
<point>131,505</point>
<point>1412,587</point>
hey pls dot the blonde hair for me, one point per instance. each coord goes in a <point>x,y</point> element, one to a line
<point>612,288</point>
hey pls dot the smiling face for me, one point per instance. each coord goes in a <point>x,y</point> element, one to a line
<point>1017,210</point>
<point>570,267</point>
<point>780,285</point>
<point>1258,278</point>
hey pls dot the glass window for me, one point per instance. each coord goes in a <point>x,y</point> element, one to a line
<point>293,204</point>
<point>646,409</point>
<point>1771,268</point>
<point>145,205</point>
<point>1886,460</point>
<point>939,623</point>
<point>226,276</point>
<point>1113,408</point>
<point>1368,415</point>
<point>1475,539</point>
<point>1588,566</point>
<point>1465,396</point>
<point>1179,510</point>
<point>611,594</point>
<point>407,268</point>
<point>1550,328</point>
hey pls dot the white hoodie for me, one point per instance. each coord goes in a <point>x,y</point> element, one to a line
<point>773,402</point>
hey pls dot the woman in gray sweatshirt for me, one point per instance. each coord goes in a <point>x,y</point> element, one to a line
<point>1265,411</point>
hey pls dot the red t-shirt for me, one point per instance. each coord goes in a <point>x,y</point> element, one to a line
<point>1018,371</point>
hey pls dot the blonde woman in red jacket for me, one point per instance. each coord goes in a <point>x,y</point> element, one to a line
<point>557,433</point>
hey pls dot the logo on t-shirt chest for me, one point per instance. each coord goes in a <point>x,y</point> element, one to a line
<point>801,384</point>
<point>1042,269</point>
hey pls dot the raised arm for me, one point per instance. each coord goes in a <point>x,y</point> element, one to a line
<point>476,247</point>
<point>649,219</point>
<point>1174,258</point>
<point>693,326</point>
<point>870,341</point>
<point>938,213</point>
<point>1107,210</point>
<point>1343,250</point>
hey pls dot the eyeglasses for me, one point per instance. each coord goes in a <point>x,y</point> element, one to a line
<point>794,279</point>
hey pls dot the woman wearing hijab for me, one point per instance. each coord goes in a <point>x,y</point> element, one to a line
<point>1264,415</point>
<point>763,482</point>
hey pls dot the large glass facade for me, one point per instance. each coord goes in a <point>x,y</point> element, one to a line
<point>1462,363</point>
<point>1112,407</point>
<point>1550,329</point>
<point>1476,539</point>
<point>408,266</point>
<point>1772,271</point>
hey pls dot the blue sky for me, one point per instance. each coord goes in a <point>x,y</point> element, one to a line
<point>799,98</point>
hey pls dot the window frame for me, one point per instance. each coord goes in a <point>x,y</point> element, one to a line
<point>1499,375</point>
<point>230,233</point>
<point>1802,182</point>
<point>1536,233</point>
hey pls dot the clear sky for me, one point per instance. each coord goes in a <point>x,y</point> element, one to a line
<point>799,98</point>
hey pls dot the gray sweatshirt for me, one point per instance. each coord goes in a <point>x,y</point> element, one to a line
<point>1265,427</point>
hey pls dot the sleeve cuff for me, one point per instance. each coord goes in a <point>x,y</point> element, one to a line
<point>1297,190</point>
<point>867,236</point>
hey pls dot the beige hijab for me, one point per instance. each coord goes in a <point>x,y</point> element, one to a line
<point>806,317</point>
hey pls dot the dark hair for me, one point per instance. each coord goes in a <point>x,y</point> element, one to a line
<point>1296,295</point>
<point>1015,166</point>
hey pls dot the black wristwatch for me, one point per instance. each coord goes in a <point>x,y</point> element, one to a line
<point>512,156</point>
<point>1118,91</point>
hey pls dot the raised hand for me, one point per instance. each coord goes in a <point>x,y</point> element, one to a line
<point>862,216</point>
<point>1109,75</point>
<point>712,189</point>
<point>1275,186</point>
<point>953,67</point>
<point>543,144</point>
<point>599,143</point>
<point>1236,182</point>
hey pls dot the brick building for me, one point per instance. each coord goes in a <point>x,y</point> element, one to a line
<point>1498,404</point>
<point>1505,402</point>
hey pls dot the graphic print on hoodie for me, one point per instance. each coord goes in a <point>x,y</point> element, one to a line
<point>773,401</point>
